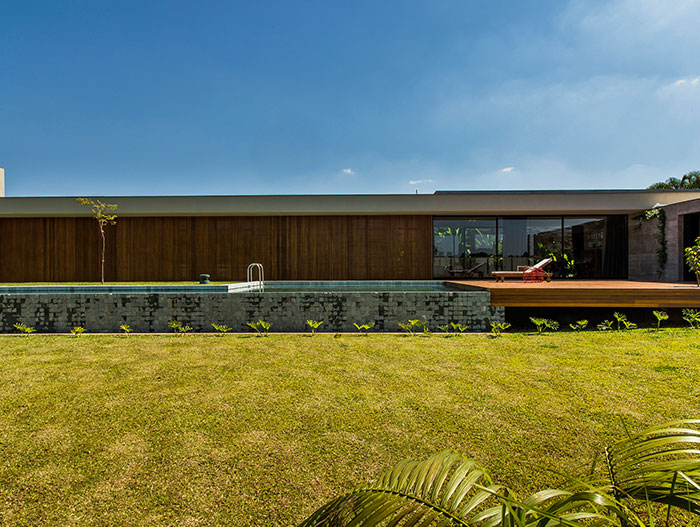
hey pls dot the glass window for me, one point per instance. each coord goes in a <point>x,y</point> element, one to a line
<point>596,247</point>
<point>526,241</point>
<point>464,247</point>
<point>584,241</point>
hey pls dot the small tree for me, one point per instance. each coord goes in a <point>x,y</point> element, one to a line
<point>104,215</point>
<point>692,258</point>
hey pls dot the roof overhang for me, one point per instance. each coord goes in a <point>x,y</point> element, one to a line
<point>478,203</point>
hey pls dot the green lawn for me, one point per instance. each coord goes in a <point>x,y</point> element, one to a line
<point>247,431</point>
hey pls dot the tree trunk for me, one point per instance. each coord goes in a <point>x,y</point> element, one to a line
<point>102,255</point>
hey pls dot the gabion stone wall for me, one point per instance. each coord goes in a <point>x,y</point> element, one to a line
<point>288,312</point>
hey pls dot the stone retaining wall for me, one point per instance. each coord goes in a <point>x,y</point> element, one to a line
<point>287,312</point>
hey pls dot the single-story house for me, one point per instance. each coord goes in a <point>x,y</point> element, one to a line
<point>593,234</point>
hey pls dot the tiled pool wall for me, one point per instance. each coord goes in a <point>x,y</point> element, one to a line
<point>288,312</point>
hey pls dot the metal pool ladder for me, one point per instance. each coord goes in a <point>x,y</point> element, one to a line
<point>261,274</point>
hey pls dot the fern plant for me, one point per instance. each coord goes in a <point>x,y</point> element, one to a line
<point>77,331</point>
<point>450,490</point>
<point>657,466</point>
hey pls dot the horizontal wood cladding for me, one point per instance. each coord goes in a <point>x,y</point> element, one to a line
<point>180,248</point>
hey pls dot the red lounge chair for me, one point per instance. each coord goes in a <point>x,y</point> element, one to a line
<point>535,273</point>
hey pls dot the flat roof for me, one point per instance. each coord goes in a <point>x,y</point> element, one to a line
<point>442,203</point>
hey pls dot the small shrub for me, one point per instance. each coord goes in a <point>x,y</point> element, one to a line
<point>497,329</point>
<point>412,325</point>
<point>445,328</point>
<point>314,325</point>
<point>605,325</point>
<point>544,324</point>
<point>623,322</point>
<point>660,317</point>
<point>692,259</point>
<point>126,328</point>
<point>579,325</point>
<point>261,327</point>
<point>23,328</point>
<point>364,328</point>
<point>461,328</point>
<point>629,325</point>
<point>178,328</point>
<point>692,317</point>
<point>77,331</point>
<point>222,329</point>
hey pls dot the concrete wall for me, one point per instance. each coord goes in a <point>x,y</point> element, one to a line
<point>288,312</point>
<point>642,259</point>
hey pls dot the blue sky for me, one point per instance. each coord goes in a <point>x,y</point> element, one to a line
<point>147,98</point>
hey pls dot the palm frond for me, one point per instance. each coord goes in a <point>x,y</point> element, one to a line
<point>661,464</point>
<point>448,490</point>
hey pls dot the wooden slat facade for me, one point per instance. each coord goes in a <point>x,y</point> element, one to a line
<point>180,248</point>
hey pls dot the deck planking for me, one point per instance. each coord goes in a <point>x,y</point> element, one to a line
<point>588,293</point>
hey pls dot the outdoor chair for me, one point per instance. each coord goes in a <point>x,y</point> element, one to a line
<point>534,273</point>
<point>459,272</point>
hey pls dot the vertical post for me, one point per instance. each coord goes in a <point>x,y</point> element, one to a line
<point>2,182</point>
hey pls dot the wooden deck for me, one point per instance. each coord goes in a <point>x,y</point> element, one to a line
<point>588,293</point>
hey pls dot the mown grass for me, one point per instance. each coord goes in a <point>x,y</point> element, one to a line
<point>248,431</point>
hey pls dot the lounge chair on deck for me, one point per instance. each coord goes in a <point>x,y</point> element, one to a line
<point>458,272</point>
<point>535,273</point>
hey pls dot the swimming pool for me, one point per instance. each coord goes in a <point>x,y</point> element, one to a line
<point>372,286</point>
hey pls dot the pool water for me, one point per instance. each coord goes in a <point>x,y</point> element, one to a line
<point>377,286</point>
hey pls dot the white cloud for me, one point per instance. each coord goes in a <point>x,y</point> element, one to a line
<point>507,169</point>
<point>419,181</point>
<point>348,172</point>
<point>690,81</point>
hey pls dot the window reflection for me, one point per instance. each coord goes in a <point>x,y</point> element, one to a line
<point>526,241</point>
<point>464,247</point>
<point>580,247</point>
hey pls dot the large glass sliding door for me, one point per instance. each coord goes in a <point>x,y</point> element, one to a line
<point>580,247</point>
<point>526,241</point>
<point>584,245</point>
